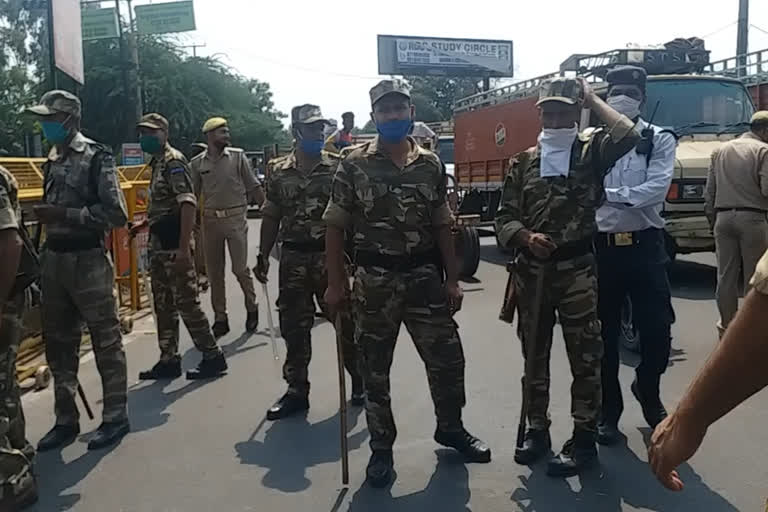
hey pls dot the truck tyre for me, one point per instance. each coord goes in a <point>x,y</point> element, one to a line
<point>467,243</point>
<point>629,336</point>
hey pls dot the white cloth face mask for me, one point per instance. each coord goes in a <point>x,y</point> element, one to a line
<point>556,145</point>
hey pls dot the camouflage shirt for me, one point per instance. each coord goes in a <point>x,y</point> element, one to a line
<point>84,181</point>
<point>170,186</point>
<point>561,207</point>
<point>297,199</point>
<point>389,210</point>
<point>10,214</point>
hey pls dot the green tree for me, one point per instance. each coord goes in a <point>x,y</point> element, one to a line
<point>434,96</point>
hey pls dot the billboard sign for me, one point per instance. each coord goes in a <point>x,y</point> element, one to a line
<point>68,38</point>
<point>166,17</point>
<point>407,55</point>
<point>99,24</point>
<point>132,154</point>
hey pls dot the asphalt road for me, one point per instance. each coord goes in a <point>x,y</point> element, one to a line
<point>198,447</point>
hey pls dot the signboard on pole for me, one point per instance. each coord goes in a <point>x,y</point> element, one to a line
<point>407,55</point>
<point>99,24</point>
<point>68,38</point>
<point>166,17</point>
<point>132,154</point>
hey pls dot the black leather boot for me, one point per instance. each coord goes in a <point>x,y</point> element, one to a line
<point>58,436</point>
<point>108,434</point>
<point>220,328</point>
<point>288,405</point>
<point>380,468</point>
<point>608,433</point>
<point>473,449</point>
<point>209,368</point>
<point>170,369</point>
<point>252,321</point>
<point>578,453</point>
<point>650,402</point>
<point>537,444</point>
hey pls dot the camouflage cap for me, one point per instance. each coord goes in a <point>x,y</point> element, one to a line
<point>761,116</point>
<point>385,87</point>
<point>307,114</point>
<point>563,90</point>
<point>627,75</point>
<point>57,101</point>
<point>153,121</point>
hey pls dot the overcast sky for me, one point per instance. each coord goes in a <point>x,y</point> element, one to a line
<point>325,52</point>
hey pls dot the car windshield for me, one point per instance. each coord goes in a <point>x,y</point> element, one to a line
<point>692,106</point>
<point>445,150</point>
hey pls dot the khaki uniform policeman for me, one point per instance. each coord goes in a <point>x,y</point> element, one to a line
<point>391,196</point>
<point>298,189</point>
<point>16,478</point>
<point>222,175</point>
<point>82,201</point>
<point>547,213</point>
<point>171,218</point>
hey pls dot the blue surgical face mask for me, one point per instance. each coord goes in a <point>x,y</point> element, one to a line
<point>54,132</point>
<point>150,144</point>
<point>312,147</point>
<point>393,132</point>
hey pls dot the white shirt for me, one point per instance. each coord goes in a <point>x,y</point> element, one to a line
<point>635,190</point>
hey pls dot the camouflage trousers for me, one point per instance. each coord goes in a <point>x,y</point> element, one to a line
<point>381,301</point>
<point>570,290</point>
<point>15,451</point>
<point>174,290</point>
<point>303,277</point>
<point>76,287</point>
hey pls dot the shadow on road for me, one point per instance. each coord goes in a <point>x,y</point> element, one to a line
<point>60,476</point>
<point>292,445</point>
<point>693,281</point>
<point>622,479</point>
<point>447,491</point>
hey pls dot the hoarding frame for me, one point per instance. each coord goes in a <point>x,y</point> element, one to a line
<point>388,65</point>
<point>67,38</point>
<point>104,13</point>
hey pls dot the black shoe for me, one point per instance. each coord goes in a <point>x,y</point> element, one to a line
<point>578,453</point>
<point>108,434</point>
<point>653,410</point>
<point>59,436</point>
<point>220,328</point>
<point>252,321</point>
<point>537,444</point>
<point>358,393</point>
<point>473,449</point>
<point>380,468</point>
<point>209,368</point>
<point>288,405</point>
<point>608,433</point>
<point>170,369</point>
<point>20,494</point>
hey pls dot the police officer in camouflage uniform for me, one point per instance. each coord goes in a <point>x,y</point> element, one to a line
<point>391,195</point>
<point>82,201</point>
<point>298,189</point>
<point>547,213</point>
<point>16,478</point>
<point>171,219</point>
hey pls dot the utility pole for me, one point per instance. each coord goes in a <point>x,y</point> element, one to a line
<point>134,60</point>
<point>742,40</point>
<point>53,79</point>
<point>194,48</point>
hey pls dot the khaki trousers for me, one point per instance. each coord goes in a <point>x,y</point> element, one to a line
<point>232,231</point>
<point>741,238</point>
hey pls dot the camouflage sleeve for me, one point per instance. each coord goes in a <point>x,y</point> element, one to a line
<point>111,210</point>
<point>441,213</point>
<point>180,180</point>
<point>760,279</point>
<point>606,147</point>
<point>271,207</point>
<point>508,221</point>
<point>8,217</point>
<point>339,211</point>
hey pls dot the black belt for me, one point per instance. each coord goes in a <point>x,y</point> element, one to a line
<point>73,244</point>
<point>567,251</point>
<point>311,246</point>
<point>753,210</point>
<point>626,239</point>
<point>400,263</point>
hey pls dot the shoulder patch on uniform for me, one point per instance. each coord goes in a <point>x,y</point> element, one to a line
<point>176,170</point>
